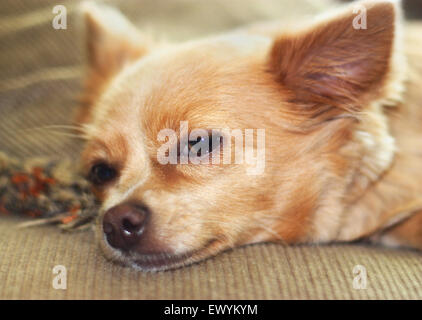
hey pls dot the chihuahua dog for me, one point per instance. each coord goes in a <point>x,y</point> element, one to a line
<point>338,99</point>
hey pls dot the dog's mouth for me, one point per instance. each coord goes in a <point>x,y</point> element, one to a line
<point>167,261</point>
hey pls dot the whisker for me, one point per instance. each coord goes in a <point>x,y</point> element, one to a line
<point>64,127</point>
<point>80,134</point>
<point>65,134</point>
<point>70,135</point>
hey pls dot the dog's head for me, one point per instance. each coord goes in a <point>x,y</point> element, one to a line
<point>280,142</point>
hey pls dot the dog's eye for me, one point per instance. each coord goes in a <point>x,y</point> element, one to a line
<point>197,146</point>
<point>102,173</point>
<point>193,146</point>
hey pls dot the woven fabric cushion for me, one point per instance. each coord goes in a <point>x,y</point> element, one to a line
<point>41,70</point>
<point>267,271</point>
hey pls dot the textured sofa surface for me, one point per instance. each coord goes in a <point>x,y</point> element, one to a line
<point>267,271</point>
<point>40,80</point>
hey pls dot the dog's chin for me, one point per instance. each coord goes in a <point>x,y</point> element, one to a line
<point>162,261</point>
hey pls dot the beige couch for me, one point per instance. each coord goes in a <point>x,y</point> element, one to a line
<point>40,77</point>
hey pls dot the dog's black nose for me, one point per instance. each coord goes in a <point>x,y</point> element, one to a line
<point>124,225</point>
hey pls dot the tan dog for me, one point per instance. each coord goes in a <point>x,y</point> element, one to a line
<point>341,107</point>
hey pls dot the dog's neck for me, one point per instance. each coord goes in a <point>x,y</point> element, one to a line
<point>384,180</point>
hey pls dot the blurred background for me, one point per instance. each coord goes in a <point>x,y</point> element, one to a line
<point>42,68</point>
<point>413,8</point>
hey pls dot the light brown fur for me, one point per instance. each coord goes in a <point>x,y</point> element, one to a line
<point>342,120</point>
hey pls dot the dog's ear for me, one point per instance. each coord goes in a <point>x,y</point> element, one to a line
<point>340,61</point>
<point>111,40</point>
